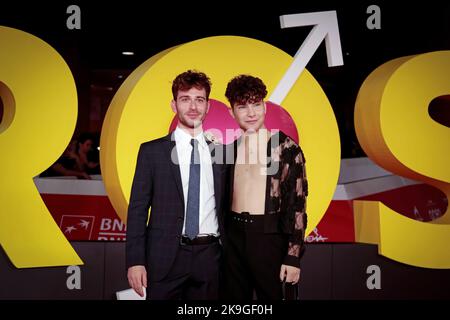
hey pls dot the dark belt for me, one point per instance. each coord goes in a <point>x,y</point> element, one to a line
<point>267,223</point>
<point>246,217</point>
<point>198,240</point>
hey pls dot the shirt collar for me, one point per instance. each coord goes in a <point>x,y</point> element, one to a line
<point>182,136</point>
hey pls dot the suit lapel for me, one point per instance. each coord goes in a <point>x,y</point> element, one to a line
<point>171,150</point>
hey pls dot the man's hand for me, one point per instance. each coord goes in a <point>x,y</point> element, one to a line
<point>137,278</point>
<point>292,274</point>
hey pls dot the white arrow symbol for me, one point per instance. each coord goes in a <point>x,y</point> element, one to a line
<point>326,27</point>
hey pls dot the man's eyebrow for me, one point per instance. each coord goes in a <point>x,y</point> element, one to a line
<point>186,95</point>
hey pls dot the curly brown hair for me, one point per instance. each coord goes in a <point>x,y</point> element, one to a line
<point>189,79</point>
<point>244,89</point>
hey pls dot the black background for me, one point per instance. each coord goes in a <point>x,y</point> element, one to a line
<point>330,271</point>
<point>148,27</point>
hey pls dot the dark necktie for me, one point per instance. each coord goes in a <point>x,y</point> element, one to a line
<point>193,202</point>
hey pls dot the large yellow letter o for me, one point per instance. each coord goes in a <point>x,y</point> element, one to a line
<point>140,111</point>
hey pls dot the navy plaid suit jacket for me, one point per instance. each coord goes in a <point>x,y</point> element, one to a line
<point>153,242</point>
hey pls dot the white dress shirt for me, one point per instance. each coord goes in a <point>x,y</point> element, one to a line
<point>208,218</point>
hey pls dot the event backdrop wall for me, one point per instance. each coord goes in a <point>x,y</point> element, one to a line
<point>367,82</point>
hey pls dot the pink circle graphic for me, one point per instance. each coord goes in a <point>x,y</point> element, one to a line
<point>221,124</point>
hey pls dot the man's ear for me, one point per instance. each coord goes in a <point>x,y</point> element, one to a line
<point>264,106</point>
<point>207,108</point>
<point>230,110</point>
<point>173,104</point>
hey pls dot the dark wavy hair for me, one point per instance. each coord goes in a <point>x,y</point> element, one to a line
<point>244,89</point>
<point>189,79</point>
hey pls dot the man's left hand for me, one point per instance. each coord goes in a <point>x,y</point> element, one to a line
<point>290,274</point>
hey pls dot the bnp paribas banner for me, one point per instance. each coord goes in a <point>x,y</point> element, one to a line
<point>391,120</point>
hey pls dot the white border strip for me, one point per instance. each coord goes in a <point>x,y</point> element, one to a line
<point>356,169</point>
<point>71,186</point>
<point>368,187</point>
<point>359,177</point>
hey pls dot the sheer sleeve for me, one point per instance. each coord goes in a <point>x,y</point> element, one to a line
<point>297,208</point>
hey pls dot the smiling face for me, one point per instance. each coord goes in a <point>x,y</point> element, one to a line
<point>191,107</point>
<point>250,115</point>
<point>246,95</point>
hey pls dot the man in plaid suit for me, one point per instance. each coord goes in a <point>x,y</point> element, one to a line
<point>174,253</point>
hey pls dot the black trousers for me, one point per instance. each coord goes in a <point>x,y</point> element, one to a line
<point>193,276</point>
<point>252,259</point>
